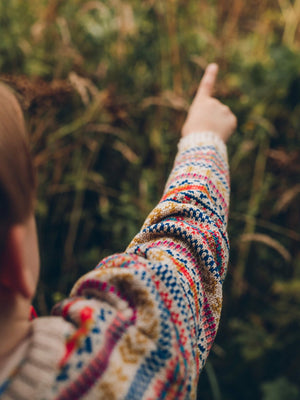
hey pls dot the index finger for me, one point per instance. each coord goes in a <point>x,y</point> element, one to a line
<point>208,80</point>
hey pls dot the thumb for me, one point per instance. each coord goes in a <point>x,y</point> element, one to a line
<point>207,84</point>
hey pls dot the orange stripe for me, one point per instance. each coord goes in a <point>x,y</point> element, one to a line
<point>202,188</point>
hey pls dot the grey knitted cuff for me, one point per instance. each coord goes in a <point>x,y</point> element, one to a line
<point>205,138</point>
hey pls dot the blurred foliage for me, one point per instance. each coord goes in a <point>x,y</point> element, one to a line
<point>280,389</point>
<point>106,85</point>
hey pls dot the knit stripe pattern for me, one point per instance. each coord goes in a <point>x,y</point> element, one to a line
<point>141,325</point>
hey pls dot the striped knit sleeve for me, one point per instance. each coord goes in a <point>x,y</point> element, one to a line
<point>187,234</point>
<point>147,318</point>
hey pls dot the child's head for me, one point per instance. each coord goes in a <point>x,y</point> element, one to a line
<point>17,192</point>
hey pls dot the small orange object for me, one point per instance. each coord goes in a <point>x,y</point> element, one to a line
<point>32,314</point>
<point>73,342</point>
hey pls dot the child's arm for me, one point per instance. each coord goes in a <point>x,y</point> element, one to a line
<point>147,318</point>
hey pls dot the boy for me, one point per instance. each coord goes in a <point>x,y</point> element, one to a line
<point>139,326</point>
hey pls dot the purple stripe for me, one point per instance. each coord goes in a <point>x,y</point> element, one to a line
<point>94,370</point>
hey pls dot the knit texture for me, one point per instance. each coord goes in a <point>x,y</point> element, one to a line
<point>141,325</point>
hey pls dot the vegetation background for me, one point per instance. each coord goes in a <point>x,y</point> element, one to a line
<point>106,85</point>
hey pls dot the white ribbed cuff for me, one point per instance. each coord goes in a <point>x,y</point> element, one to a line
<point>205,138</point>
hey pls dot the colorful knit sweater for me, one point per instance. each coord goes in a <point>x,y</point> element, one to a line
<point>140,325</point>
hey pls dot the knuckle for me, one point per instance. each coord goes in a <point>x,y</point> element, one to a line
<point>234,120</point>
<point>214,102</point>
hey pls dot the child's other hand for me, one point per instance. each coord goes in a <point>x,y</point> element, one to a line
<point>207,113</point>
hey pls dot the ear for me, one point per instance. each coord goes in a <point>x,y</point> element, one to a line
<point>14,272</point>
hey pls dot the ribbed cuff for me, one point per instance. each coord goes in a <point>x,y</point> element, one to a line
<point>205,138</point>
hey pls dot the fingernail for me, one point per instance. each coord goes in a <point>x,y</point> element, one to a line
<point>213,66</point>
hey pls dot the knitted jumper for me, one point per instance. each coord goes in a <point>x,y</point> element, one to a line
<point>140,325</point>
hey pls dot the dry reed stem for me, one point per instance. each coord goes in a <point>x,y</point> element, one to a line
<point>90,114</point>
<point>167,99</point>
<point>253,209</point>
<point>265,239</point>
<point>291,15</point>
<point>267,225</point>
<point>172,21</point>
<point>76,212</point>
<point>287,197</point>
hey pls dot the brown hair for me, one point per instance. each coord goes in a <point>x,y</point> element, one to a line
<point>17,177</point>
